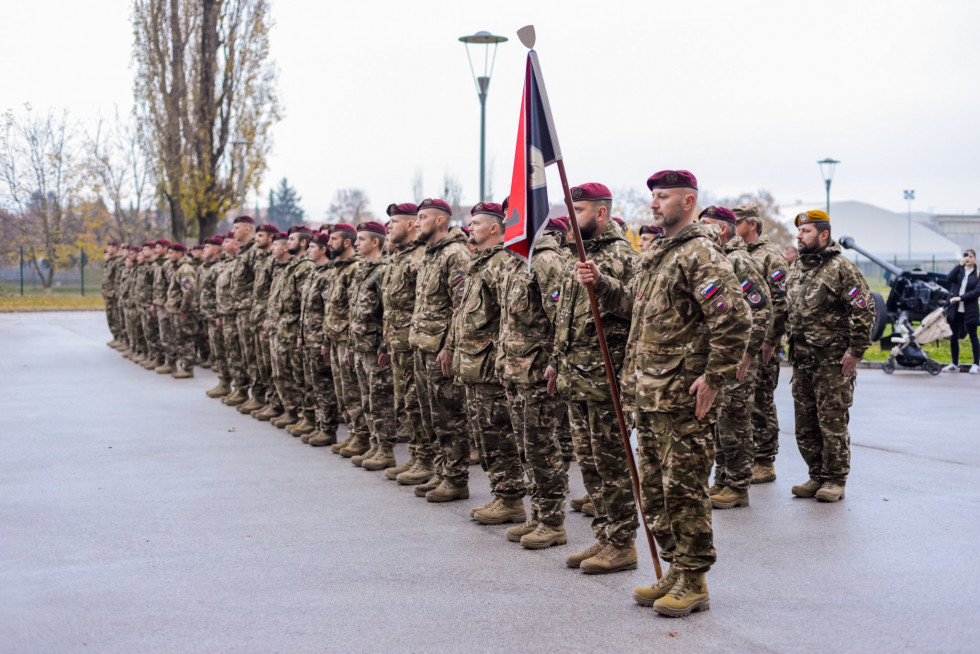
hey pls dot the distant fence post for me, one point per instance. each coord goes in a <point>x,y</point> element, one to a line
<point>81,259</point>
<point>22,271</point>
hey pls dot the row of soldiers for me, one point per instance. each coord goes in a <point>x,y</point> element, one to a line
<point>416,330</point>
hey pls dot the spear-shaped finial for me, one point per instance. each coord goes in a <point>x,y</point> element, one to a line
<point>526,35</point>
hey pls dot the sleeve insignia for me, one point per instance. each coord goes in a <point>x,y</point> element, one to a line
<point>350,293</point>
<point>556,295</point>
<point>720,304</point>
<point>186,282</point>
<point>325,294</point>
<point>752,294</point>
<point>708,290</point>
<point>457,279</point>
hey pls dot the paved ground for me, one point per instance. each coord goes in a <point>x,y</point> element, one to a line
<point>136,514</point>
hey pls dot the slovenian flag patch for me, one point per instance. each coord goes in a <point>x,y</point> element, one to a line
<point>457,279</point>
<point>746,285</point>
<point>776,276</point>
<point>853,292</point>
<point>556,295</point>
<point>710,290</point>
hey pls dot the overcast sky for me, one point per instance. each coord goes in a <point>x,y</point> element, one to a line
<point>746,95</point>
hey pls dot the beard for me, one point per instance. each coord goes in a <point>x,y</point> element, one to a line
<point>589,231</point>
<point>669,220</point>
<point>333,253</point>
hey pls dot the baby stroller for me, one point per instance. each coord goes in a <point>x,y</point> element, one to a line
<point>907,352</point>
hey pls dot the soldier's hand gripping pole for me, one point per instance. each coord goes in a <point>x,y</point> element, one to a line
<point>610,371</point>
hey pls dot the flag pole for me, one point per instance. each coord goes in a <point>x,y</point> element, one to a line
<point>610,369</point>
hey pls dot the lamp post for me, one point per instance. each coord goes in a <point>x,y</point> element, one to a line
<point>827,167</point>
<point>485,39</point>
<point>240,147</point>
<point>909,196</point>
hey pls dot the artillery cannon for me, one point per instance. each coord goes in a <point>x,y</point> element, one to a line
<point>914,294</point>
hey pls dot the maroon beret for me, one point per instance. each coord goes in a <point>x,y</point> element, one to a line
<point>268,228</point>
<point>178,247</point>
<point>403,209</point>
<point>651,229</point>
<point>214,240</point>
<point>430,203</point>
<point>230,235</point>
<point>505,204</point>
<point>134,248</point>
<point>281,236</point>
<point>557,225</point>
<point>245,219</point>
<point>150,244</point>
<point>619,220</point>
<point>592,192</point>
<point>199,246</point>
<point>114,244</point>
<point>302,229</point>
<point>718,213</point>
<point>321,239</point>
<point>489,208</point>
<point>343,227</point>
<point>672,179</point>
<point>465,229</point>
<point>373,226</point>
<point>164,242</point>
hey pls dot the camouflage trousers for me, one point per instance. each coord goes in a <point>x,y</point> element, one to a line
<point>318,379</point>
<point>599,450</point>
<point>134,331</point>
<point>348,392</point>
<point>233,352</point>
<point>676,453</point>
<point>734,451</point>
<point>377,397</point>
<point>407,408</point>
<point>563,432</point>
<point>263,359</point>
<point>534,420</point>
<point>151,332</point>
<point>246,336</point>
<point>183,336</point>
<point>443,419</point>
<point>216,339</point>
<point>285,361</point>
<point>113,318</point>
<point>765,422</point>
<point>822,399</point>
<point>168,344</point>
<point>202,343</point>
<point>489,420</point>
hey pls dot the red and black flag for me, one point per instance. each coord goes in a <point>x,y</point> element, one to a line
<point>537,147</point>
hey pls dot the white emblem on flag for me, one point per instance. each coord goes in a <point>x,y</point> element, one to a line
<point>538,178</point>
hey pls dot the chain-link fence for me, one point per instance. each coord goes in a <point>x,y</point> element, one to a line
<point>25,280</point>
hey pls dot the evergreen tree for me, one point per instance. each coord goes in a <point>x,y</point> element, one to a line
<point>284,209</point>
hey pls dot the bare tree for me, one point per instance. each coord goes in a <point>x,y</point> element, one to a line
<point>773,227</point>
<point>119,170</point>
<point>418,188</point>
<point>452,192</point>
<point>350,205</point>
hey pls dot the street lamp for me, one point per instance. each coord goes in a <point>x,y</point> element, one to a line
<point>485,39</point>
<point>909,196</point>
<point>827,167</point>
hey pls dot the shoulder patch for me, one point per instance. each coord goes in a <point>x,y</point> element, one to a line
<point>857,298</point>
<point>325,293</point>
<point>720,304</point>
<point>456,279</point>
<point>752,294</point>
<point>709,288</point>
<point>556,295</point>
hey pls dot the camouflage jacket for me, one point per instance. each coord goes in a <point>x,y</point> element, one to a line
<point>476,328</point>
<point>530,304</point>
<point>207,282</point>
<point>439,288</point>
<point>111,280</point>
<point>315,292</point>
<point>261,286</point>
<point>830,308</point>
<point>577,358</point>
<point>224,293</point>
<point>398,294</point>
<point>755,292</point>
<point>243,276</point>
<point>182,294</point>
<point>689,319</point>
<point>336,306</point>
<point>774,267</point>
<point>147,272</point>
<point>366,311</point>
<point>275,290</point>
<point>163,270</point>
<point>127,276</point>
<point>291,293</point>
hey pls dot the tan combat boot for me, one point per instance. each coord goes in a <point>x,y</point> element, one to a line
<point>588,509</point>
<point>809,489</point>
<point>489,505</point>
<point>384,457</point>
<point>830,492</point>
<point>575,560</point>
<point>689,595</point>
<point>222,389</point>
<point>544,536</point>
<point>647,595</point>
<point>358,459</point>
<point>729,498</point>
<point>267,414</point>
<point>446,492</point>
<point>515,534</point>
<point>304,426</point>
<point>184,373</point>
<point>392,473</point>
<point>420,473</point>
<point>355,447</point>
<point>423,489</point>
<point>165,369</point>
<point>578,502</point>
<point>321,439</point>
<point>282,421</point>
<point>205,364</point>
<point>715,489</point>
<point>611,559</point>
<point>252,404</point>
<point>501,512</point>
<point>763,473</point>
<point>336,447</point>
<point>236,398</point>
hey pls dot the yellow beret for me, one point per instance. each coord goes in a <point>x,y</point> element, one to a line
<point>812,216</point>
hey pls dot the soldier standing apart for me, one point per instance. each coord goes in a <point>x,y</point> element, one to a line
<point>439,291</point>
<point>473,339</point>
<point>578,373</point>
<point>526,342</point>
<point>691,329</point>
<point>110,292</point>
<point>734,451</point>
<point>830,316</point>
<point>182,309</point>
<point>371,365</point>
<point>765,423</point>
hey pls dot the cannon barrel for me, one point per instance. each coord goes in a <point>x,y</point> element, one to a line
<point>848,242</point>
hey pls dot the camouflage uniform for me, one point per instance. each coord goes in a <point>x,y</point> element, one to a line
<point>148,316</point>
<point>110,292</point>
<point>526,342</point>
<point>473,341</point>
<point>689,320</point>
<point>765,422</point>
<point>227,314</point>
<point>364,340</point>
<point>583,383</point>
<point>261,286</point>
<point>242,279</point>
<point>398,302</point>
<point>830,312</point>
<point>439,289</point>
<point>208,278</point>
<point>320,400</point>
<point>735,452</point>
<point>129,303</point>
<point>182,308</point>
<point>293,390</point>
<point>161,281</point>
<point>282,377</point>
<point>336,324</point>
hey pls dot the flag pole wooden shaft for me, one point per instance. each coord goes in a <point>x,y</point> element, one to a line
<point>610,369</point>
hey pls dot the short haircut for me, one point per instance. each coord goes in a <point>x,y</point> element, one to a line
<point>822,226</point>
<point>303,236</point>
<point>345,235</point>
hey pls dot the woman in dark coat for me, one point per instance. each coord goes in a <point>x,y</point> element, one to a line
<point>962,313</point>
